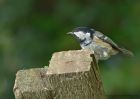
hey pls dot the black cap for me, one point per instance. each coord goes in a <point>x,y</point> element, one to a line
<point>84,29</point>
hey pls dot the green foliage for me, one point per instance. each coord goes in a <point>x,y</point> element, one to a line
<point>31,30</point>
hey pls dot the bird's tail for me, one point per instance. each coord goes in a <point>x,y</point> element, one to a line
<point>126,52</point>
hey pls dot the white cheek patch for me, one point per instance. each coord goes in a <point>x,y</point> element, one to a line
<point>80,34</point>
<point>87,35</point>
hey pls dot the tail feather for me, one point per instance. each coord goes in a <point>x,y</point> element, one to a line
<point>126,52</point>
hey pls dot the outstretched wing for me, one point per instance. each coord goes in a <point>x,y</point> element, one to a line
<point>113,44</point>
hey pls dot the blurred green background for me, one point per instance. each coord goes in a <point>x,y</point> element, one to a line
<point>31,30</point>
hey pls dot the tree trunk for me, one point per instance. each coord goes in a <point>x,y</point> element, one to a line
<point>70,75</point>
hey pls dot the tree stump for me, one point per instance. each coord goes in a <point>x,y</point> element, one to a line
<point>70,75</point>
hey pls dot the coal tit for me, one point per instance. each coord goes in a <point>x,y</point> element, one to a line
<point>102,46</point>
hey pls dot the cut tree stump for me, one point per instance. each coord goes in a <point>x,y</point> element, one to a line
<point>70,75</point>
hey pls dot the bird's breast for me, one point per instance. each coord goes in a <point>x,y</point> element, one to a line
<point>102,49</point>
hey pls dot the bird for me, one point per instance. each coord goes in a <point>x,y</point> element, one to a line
<point>101,45</point>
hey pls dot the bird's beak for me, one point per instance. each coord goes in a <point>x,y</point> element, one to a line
<point>71,33</point>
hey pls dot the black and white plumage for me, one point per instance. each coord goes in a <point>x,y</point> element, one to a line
<point>101,45</point>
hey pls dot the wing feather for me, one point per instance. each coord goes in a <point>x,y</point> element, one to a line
<point>106,39</point>
<point>113,44</point>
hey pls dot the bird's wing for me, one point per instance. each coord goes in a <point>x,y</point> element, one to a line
<point>106,39</point>
<point>114,45</point>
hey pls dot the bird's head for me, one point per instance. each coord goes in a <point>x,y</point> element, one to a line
<point>82,33</point>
